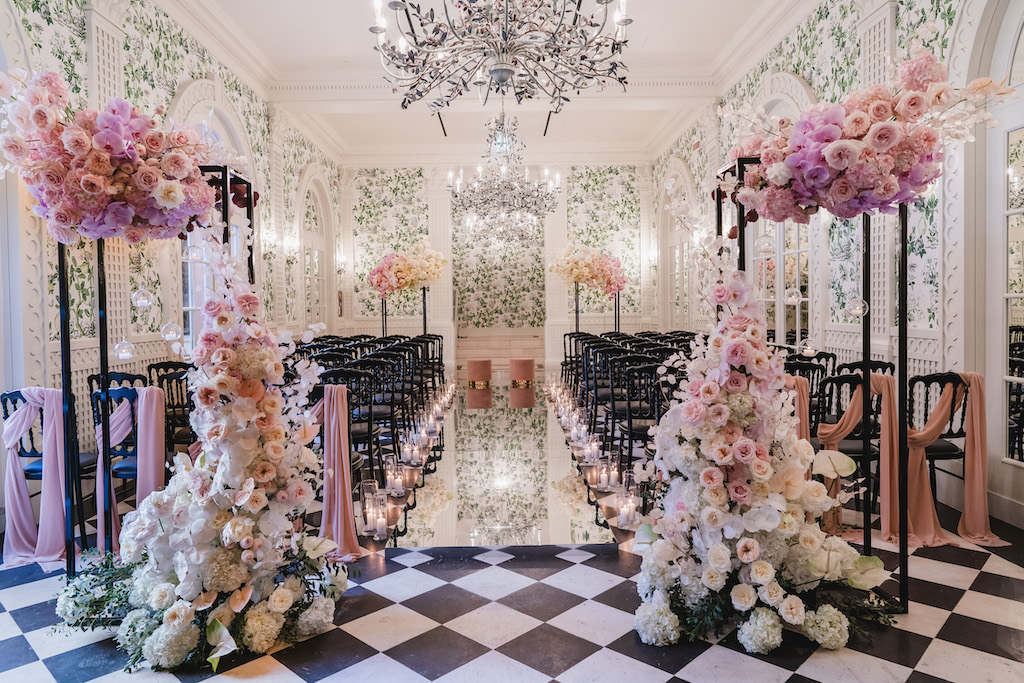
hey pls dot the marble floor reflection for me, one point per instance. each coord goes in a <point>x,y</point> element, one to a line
<point>506,478</point>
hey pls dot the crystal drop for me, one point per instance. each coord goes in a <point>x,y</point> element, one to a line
<point>142,298</point>
<point>857,308</point>
<point>764,245</point>
<point>170,331</point>
<point>124,349</point>
<point>792,296</point>
<point>807,348</point>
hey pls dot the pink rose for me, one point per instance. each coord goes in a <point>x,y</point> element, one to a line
<point>76,141</point>
<point>740,322</point>
<point>248,304</point>
<point>693,388</point>
<point>883,135</point>
<point>709,392</point>
<point>731,432</point>
<point>693,412</point>
<point>282,496</point>
<point>880,110</point>
<point>842,190</point>
<point>842,154</point>
<point>94,184</point>
<point>736,382</point>
<point>737,353</point>
<point>912,105</point>
<point>43,117</point>
<point>14,147</point>
<point>146,178</point>
<point>133,234</point>
<point>223,356</point>
<point>264,472</point>
<point>208,397</point>
<point>744,450</point>
<point>719,414</point>
<point>748,549</point>
<point>887,188</point>
<point>176,165</point>
<point>213,307</point>
<point>761,451</point>
<point>252,388</point>
<point>722,454</point>
<point>856,124</point>
<point>740,492</point>
<point>721,294</point>
<point>711,477</point>
<point>155,141</point>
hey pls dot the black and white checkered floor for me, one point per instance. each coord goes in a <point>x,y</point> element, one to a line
<point>538,613</point>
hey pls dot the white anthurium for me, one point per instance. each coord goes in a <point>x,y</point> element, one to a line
<point>219,638</point>
<point>643,538</point>
<point>868,572</point>
<point>833,464</point>
<point>316,546</point>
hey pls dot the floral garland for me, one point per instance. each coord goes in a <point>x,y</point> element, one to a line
<point>597,270</point>
<point>99,174</point>
<point>407,270</point>
<point>733,536</point>
<point>220,560</point>
<point>879,148</point>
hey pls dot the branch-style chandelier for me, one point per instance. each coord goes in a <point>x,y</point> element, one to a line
<point>526,48</point>
<point>501,200</point>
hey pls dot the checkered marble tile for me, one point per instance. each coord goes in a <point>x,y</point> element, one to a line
<point>564,613</point>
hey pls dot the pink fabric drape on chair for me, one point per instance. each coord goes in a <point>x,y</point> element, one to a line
<point>803,404</point>
<point>22,543</point>
<point>150,448</point>
<point>337,521</point>
<point>923,520</point>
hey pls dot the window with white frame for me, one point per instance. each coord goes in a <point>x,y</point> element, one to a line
<point>314,263</point>
<point>782,268</point>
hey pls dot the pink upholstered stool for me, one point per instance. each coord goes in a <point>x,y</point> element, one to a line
<point>478,394</point>
<point>521,394</point>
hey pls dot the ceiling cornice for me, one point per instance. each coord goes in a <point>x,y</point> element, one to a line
<point>468,155</point>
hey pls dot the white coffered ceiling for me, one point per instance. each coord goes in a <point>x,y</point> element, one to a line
<point>315,58</point>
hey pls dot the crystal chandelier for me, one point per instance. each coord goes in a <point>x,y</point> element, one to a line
<point>501,200</point>
<point>528,48</point>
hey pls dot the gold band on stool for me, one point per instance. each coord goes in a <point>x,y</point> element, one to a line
<point>522,384</point>
<point>480,384</point>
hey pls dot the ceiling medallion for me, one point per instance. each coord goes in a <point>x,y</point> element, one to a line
<point>501,200</point>
<point>526,48</point>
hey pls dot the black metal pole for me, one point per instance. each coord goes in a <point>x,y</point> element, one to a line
<point>424,311</point>
<point>383,316</point>
<point>577,307</point>
<point>741,221</point>
<point>70,443</point>
<point>101,323</point>
<point>719,198</point>
<point>904,452</point>
<point>865,291</point>
<point>250,214</point>
<point>225,202</point>
<point>617,318</point>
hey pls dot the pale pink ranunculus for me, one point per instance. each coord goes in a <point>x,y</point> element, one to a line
<point>912,105</point>
<point>740,492</point>
<point>744,450</point>
<point>883,135</point>
<point>842,154</point>
<point>711,477</point>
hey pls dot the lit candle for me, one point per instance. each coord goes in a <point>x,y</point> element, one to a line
<point>382,526</point>
<point>399,485</point>
<point>604,479</point>
<point>614,478</point>
<point>624,516</point>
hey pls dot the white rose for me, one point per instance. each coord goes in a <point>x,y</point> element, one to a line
<point>788,525</point>
<point>719,557</point>
<point>771,593</point>
<point>743,596</point>
<point>761,572</point>
<point>713,517</point>
<point>162,596</point>
<point>713,579</point>
<point>281,600</point>
<point>815,496</point>
<point>811,537</point>
<point>179,616</point>
<point>716,496</point>
<point>760,469</point>
<point>779,174</point>
<point>792,610</point>
<point>238,528</point>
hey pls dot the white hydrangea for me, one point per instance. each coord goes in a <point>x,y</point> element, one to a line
<point>261,627</point>
<point>655,622</point>
<point>762,632</point>
<point>827,626</point>
<point>654,575</point>
<point>168,647</point>
<point>317,618</point>
<point>137,626</point>
<point>225,572</point>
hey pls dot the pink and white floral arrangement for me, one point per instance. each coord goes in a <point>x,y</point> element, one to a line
<point>407,270</point>
<point>102,173</point>
<point>590,267</point>
<point>735,535</point>
<point>221,560</point>
<point>879,147</point>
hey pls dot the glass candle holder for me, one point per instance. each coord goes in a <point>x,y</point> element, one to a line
<point>380,524</point>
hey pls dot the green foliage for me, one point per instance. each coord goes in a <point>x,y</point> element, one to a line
<point>707,617</point>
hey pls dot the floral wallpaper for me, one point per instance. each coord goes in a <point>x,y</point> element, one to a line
<point>603,212</point>
<point>844,275</point>
<point>81,270</point>
<point>144,271</point>
<point>499,282</point>
<point>390,214</point>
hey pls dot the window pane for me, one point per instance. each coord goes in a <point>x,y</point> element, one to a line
<point>804,275</point>
<point>1015,170</point>
<point>1015,254</point>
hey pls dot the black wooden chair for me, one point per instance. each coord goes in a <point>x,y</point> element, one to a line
<point>168,367</point>
<point>879,366</point>
<point>922,396</point>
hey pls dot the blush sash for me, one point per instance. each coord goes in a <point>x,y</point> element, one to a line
<point>22,543</point>
<point>337,521</point>
<point>150,448</point>
<point>802,403</point>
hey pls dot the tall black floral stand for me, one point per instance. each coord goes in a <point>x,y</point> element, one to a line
<point>734,173</point>
<point>221,177</point>
<point>424,311</point>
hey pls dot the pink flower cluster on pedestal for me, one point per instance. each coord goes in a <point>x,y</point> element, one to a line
<point>880,147</point>
<point>592,268</point>
<point>102,173</point>
<point>406,270</point>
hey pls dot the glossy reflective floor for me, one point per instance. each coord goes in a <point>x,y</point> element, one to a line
<point>506,478</point>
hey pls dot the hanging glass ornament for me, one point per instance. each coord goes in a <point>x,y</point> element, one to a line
<point>807,348</point>
<point>193,253</point>
<point>793,296</point>
<point>170,331</point>
<point>124,349</point>
<point>857,308</point>
<point>142,298</point>
<point>764,245</point>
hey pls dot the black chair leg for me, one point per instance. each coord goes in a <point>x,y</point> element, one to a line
<point>931,480</point>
